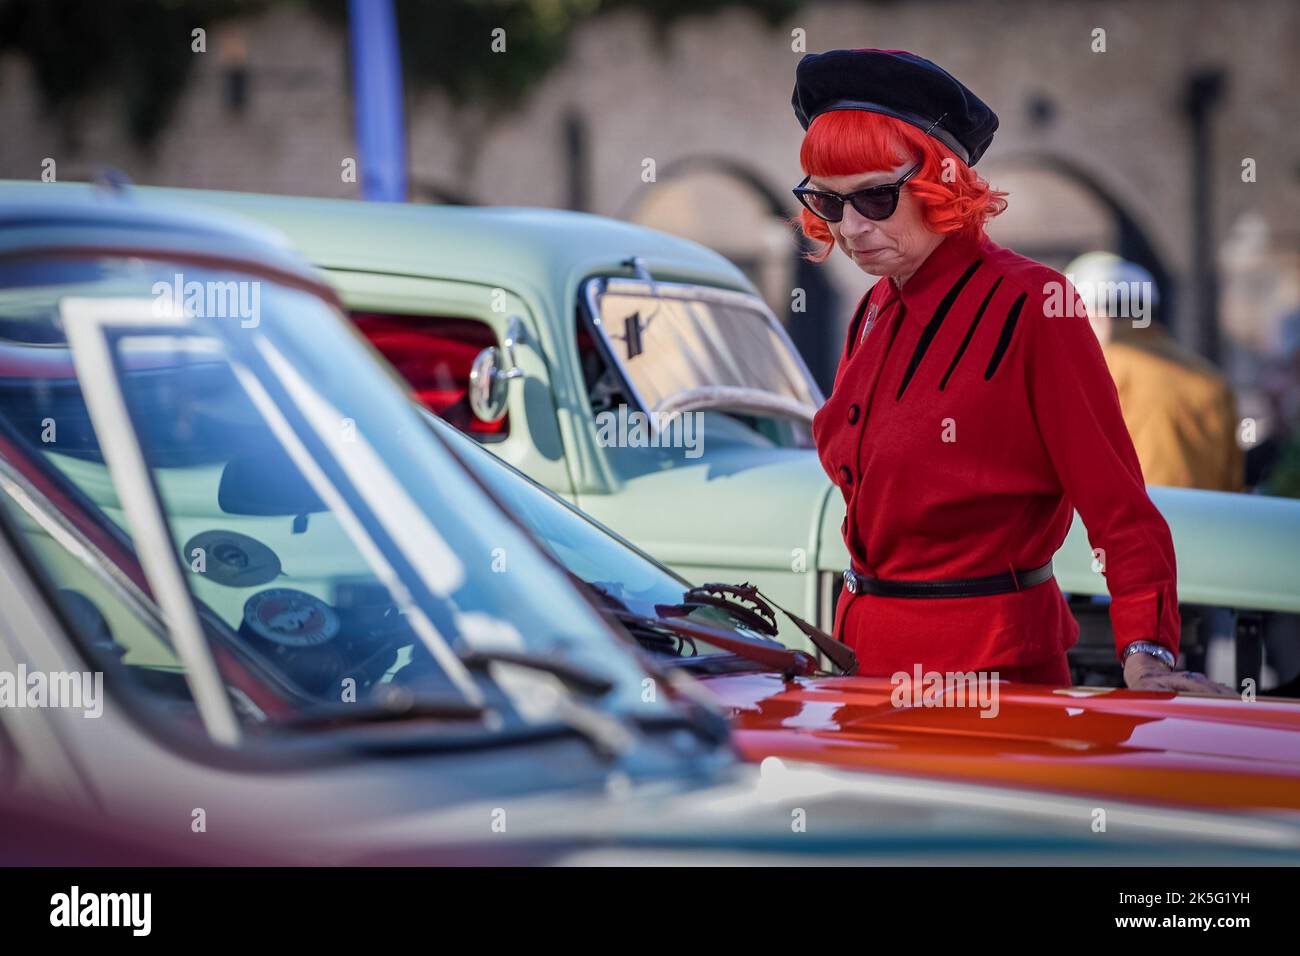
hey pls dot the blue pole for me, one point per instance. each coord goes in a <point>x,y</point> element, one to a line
<point>377,82</point>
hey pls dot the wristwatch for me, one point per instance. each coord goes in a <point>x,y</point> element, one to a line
<point>1158,651</point>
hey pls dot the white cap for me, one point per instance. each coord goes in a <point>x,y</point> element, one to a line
<point>1093,274</point>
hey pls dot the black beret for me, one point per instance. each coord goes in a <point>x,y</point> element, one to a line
<point>897,84</point>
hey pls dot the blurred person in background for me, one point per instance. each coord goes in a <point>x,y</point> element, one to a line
<point>972,411</point>
<point>1179,409</point>
<point>1273,464</point>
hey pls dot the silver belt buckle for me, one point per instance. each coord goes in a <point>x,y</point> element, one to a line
<point>850,581</point>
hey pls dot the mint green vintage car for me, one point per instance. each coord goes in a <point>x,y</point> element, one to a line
<point>558,339</point>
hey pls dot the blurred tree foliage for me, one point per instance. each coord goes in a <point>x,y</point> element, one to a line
<point>446,44</point>
<point>139,48</point>
<point>142,48</point>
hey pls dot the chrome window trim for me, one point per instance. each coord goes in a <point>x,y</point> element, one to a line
<point>89,325</point>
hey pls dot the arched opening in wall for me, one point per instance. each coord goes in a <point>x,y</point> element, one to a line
<point>1057,210</point>
<point>1049,217</point>
<point>722,204</point>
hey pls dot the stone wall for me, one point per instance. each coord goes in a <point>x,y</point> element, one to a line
<point>719,88</point>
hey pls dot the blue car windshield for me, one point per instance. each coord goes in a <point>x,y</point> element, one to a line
<point>334,549</point>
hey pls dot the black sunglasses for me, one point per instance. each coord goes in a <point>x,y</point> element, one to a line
<point>874,202</point>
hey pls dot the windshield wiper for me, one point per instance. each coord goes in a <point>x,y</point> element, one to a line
<point>388,708</point>
<point>648,631</point>
<point>571,675</point>
<point>608,736</point>
<point>758,609</point>
<point>755,614</point>
<point>772,656</point>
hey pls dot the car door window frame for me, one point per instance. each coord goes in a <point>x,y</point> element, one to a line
<point>92,326</point>
<point>536,442</point>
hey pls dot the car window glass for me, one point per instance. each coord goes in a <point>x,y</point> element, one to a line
<point>651,352</point>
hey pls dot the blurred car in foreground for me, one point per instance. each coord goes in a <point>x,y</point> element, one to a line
<point>246,593</point>
<point>571,325</point>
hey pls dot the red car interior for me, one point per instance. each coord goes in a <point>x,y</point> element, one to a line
<point>434,355</point>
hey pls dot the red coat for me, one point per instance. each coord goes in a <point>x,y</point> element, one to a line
<point>968,421</point>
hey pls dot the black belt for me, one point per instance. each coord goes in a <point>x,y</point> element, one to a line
<point>1002,583</point>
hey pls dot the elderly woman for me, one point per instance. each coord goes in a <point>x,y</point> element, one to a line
<point>972,411</point>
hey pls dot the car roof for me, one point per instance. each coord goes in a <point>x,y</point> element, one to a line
<point>58,216</point>
<point>545,252</point>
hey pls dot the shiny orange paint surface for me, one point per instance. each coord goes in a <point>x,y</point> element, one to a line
<point>1151,747</point>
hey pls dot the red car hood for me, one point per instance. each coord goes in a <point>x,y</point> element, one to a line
<point>1199,751</point>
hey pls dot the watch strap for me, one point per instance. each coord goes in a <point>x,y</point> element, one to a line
<point>1158,651</point>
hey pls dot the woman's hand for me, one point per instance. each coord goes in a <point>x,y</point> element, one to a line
<point>1144,672</point>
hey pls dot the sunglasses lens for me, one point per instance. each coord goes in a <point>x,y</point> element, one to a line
<point>826,207</point>
<point>876,205</point>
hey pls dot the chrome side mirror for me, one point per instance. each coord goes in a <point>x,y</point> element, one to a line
<point>488,388</point>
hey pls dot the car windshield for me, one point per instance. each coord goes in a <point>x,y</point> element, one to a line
<point>332,549</point>
<point>683,348</point>
<point>623,577</point>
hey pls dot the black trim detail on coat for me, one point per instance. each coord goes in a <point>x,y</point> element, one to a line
<point>970,333</point>
<point>1004,340</point>
<point>932,327</point>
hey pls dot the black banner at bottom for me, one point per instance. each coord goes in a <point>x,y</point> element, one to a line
<point>237,905</point>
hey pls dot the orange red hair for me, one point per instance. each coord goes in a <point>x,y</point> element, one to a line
<point>954,197</point>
